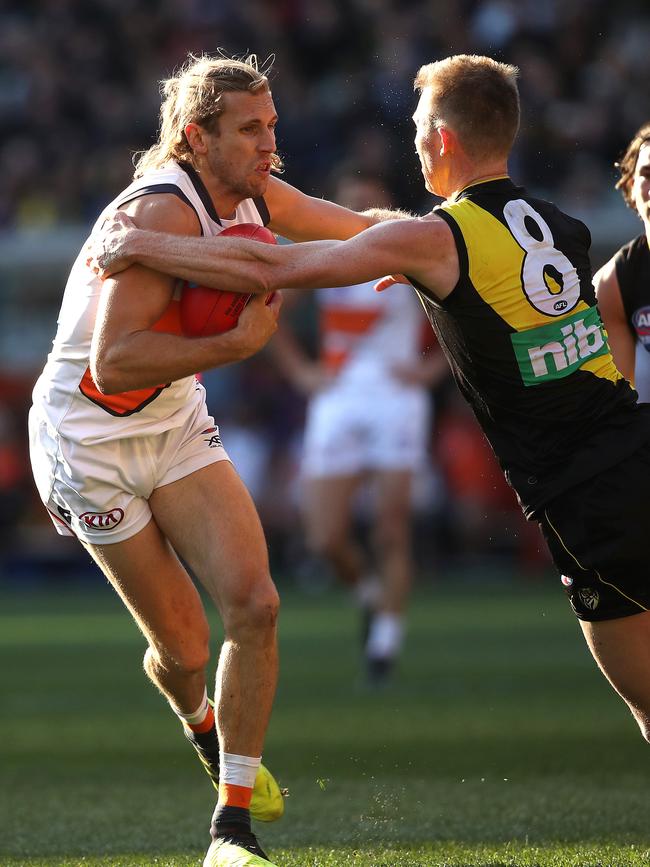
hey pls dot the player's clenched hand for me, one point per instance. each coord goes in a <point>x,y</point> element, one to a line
<point>108,248</point>
<point>257,323</point>
<point>390,280</point>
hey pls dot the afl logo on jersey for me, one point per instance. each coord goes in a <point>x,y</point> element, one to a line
<point>641,322</point>
<point>102,520</point>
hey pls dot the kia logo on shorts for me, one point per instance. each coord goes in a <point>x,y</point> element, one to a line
<point>102,520</point>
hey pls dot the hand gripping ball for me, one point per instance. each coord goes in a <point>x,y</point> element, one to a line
<point>205,311</point>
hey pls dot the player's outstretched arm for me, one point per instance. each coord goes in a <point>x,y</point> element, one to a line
<point>610,304</point>
<point>300,217</point>
<point>423,248</point>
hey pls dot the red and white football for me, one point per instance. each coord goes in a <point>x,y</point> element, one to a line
<point>205,311</point>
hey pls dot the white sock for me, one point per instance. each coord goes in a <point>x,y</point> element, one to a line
<point>367,591</point>
<point>386,636</point>
<point>238,770</point>
<point>199,715</point>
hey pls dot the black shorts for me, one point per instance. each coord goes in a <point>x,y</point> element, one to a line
<point>598,533</point>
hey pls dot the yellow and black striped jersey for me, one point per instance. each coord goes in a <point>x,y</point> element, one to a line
<point>527,345</point>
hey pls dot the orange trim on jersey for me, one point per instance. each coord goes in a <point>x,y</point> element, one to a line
<point>340,328</point>
<point>123,404</point>
<point>349,320</point>
<point>129,402</point>
<point>334,359</point>
<point>231,795</point>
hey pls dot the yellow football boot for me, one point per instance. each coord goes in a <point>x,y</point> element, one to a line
<point>241,850</point>
<point>267,803</point>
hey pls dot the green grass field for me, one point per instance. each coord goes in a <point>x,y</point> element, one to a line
<point>499,744</point>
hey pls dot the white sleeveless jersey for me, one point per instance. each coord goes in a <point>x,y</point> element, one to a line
<point>65,394</point>
<point>365,334</point>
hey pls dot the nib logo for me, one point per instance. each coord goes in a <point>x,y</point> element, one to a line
<point>102,520</point>
<point>557,349</point>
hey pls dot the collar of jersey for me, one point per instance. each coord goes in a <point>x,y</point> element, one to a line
<point>201,190</point>
<point>497,182</point>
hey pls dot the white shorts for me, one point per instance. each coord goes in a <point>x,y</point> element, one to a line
<point>99,493</point>
<point>347,432</point>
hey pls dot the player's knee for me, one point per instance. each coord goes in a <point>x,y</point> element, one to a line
<point>253,606</point>
<point>193,658</point>
<point>185,652</point>
<point>326,543</point>
<point>391,533</point>
<point>265,606</point>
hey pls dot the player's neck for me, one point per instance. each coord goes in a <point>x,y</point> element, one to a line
<point>224,199</point>
<point>477,175</point>
<point>225,202</point>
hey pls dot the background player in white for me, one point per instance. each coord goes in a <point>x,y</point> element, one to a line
<point>126,457</point>
<point>368,420</point>
<point>623,283</point>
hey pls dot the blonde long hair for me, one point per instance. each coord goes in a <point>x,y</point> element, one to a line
<point>194,95</point>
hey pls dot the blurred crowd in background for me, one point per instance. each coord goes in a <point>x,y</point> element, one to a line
<point>79,94</point>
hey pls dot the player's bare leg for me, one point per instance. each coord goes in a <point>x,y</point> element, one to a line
<point>158,592</point>
<point>329,524</point>
<point>328,519</point>
<point>392,545</point>
<point>621,648</point>
<point>211,521</point>
<point>220,537</point>
<point>392,538</point>
<point>167,607</point>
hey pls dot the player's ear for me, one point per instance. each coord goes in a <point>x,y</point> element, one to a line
<point>195,136</point>
<point>447,141</point>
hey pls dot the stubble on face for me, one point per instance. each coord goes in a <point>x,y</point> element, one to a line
<point>239,156</point>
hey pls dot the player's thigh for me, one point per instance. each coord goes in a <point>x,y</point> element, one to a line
<point>211,521</point>
<point>393,508</point>
<point>146,573</point>
<point>327,508</point>
<point>621,648</point>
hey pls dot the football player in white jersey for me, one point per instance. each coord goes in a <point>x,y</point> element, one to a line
<point>368,418</point>
<point>126,458</point>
